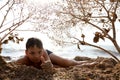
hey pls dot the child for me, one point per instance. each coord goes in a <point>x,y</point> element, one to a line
<point>38,57</point>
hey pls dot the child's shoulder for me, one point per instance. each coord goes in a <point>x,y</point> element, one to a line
<point>22,60</point>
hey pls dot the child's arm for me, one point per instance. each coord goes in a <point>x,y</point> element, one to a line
<point>46,62</point>
<point>46,56</point>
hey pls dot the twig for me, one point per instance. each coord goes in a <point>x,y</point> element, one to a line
<point>17,25</point>
<point>6,15</point>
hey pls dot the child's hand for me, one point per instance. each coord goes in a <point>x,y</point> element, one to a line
<point>46,64</point>
<point>42,59</point>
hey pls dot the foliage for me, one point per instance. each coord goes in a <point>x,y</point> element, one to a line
<point>13,14</point>
<point>74,15</point>
<point>101,15</point>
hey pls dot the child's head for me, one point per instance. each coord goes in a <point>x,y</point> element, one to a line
<point>34,49</point>
<point>31,42</point>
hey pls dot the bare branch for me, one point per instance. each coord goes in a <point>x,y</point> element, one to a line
<point>4,4</point>
<point>85,43</point>
<point>6,14</point>
<point>15,26</point>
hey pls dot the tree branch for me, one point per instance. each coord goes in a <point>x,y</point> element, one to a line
<point>4,4</point>
<point>85,43</point>
<point>17,25</point>
<point>7,11</point>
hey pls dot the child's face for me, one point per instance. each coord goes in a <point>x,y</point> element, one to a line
<point>34,54</point>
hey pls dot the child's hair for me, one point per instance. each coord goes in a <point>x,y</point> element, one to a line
<point>31,42</point>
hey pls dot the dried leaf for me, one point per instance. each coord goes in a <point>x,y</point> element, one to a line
<point>102,37</point>
<point>9,29</point>
<point>5,42</point>
<point>114,16</point>
<point>17,38</point>
<point>21,39</point>
<point>82,35</point>
<point>96,39</point>
<point>82,42</point>
<point>97,34</point>
<point>86,20</point>
<point>102,20</point>
<point>10,37</point>
<point>107,30</point>
<point>78,46</point>
<point>89,14</point>
<point>17,41</point>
